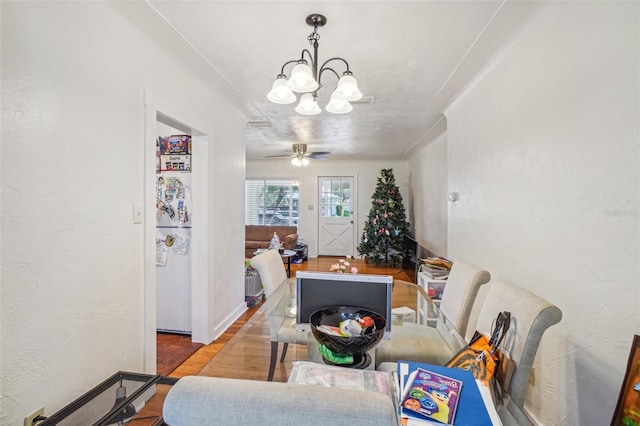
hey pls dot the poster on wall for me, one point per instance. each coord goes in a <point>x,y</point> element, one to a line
<point>161,253</point>
<point>175,163</point>
<point>175,144</point>
<point>627,412</point>
<point>173,153</point>
<point>173,201</point>
<point>173,189</point>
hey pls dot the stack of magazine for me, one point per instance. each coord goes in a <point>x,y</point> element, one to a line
<point>436,268</point>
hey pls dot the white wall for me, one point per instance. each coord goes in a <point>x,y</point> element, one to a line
<point>365,173</point>
<point>73,120</point>
<point>428,181</point>
<point>543,149</point>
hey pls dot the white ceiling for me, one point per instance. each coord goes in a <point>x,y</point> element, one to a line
<point>410,57</point>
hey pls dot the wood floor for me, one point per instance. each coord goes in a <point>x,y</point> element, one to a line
<point>401,297</point>
<point>172,350</point>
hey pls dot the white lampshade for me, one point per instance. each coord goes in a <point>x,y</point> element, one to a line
<point>301,79</point>
<point>300,161</point>
<point>280,93</point>
<point>308,105</point>
<point>348,87</point>
<point>338,104</point>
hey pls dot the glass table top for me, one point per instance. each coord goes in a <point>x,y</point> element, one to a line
<point>282,315</point>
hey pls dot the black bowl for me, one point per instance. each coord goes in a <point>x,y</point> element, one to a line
<point>346,345</point>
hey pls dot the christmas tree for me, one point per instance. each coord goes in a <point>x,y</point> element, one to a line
<point>385,228</point>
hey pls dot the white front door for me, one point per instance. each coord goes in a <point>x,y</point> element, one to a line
<point>336,230</point>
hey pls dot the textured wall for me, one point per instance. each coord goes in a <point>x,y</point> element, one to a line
<point>544,152</point>
<point>428,181</point>
<point>73,78</point>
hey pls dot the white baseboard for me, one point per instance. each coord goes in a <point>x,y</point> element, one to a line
<point>534,419</point>
<point>229,320</point>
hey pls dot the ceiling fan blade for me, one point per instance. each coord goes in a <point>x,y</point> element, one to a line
<point>319,153</point>
<point>317,157</point>
<point>280,155</point>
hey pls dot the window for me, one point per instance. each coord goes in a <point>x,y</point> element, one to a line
<point>271,202</point>
<point>336,198</point>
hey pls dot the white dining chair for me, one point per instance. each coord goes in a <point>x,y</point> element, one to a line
<point>421,343</point>
<point>531,315</point>
<point>277,290</point>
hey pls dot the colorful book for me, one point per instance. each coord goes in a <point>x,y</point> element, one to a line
<point>471,408</point>
<point>432,395</point>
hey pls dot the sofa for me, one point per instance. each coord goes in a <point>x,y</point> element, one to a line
<point>196,400</point>
<point>259,237</point>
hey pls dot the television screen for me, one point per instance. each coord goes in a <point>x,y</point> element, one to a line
<point>317,290</point>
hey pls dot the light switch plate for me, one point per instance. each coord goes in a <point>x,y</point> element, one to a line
<point>137,213</point>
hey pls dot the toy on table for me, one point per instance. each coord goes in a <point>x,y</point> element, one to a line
<point>357,326</point>
<point>350,327</point>
<point>334,357</point>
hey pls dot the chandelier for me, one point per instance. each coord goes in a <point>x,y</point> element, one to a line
<point>307,79</point>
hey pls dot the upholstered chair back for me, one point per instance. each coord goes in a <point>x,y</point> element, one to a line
<point>271,269</point>
<point>460,293</point>
<point>531,315</point>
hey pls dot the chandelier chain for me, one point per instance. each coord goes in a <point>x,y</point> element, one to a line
<point>314,36</point>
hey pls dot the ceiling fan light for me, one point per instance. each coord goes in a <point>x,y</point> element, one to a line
<point>301,79</point>
<point>305,161</point>
<point>308,105</point>
<point>338,104</point>
<point>280,93</point>
<point>296,162</point>
<point>348,87</point>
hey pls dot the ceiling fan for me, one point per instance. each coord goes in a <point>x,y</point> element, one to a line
<point>300,156</point>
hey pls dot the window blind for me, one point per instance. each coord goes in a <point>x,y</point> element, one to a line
<point>271,202</point>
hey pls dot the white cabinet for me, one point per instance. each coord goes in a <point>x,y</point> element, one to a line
<point>425,314</point>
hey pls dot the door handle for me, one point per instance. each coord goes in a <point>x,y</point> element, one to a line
<point>351,221</point>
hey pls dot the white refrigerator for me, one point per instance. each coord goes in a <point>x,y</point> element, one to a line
<point>173,252</point>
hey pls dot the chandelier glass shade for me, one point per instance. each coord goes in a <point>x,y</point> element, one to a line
<point>308,105</point>
<point>280,93</point>
<point>302,80</point>
<point>348,87</point>
<point>306,78</point>
<point>339,104</point>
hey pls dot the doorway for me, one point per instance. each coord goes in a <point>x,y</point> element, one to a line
<point>336,216</point>
<point>160,116</point>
